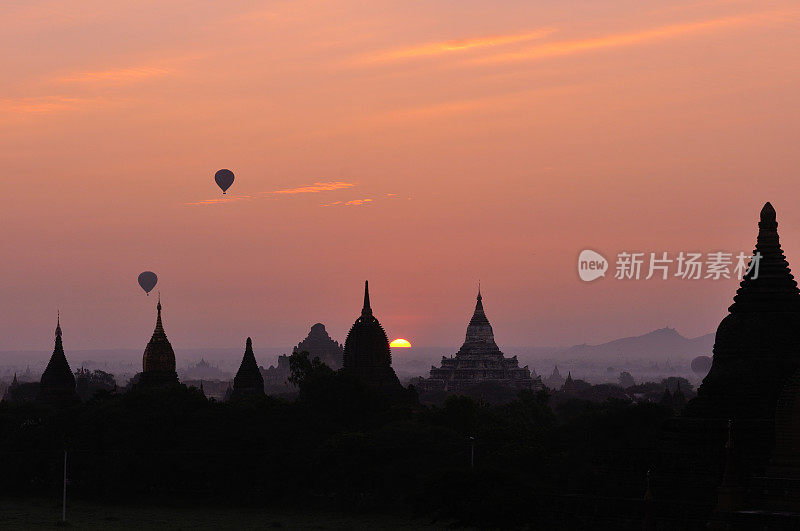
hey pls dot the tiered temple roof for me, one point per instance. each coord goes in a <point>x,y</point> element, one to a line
<point>367,354</point>
<point>248,380</point>
<point>479,360</point>
<point>57,385</point>
<point>319,344</point>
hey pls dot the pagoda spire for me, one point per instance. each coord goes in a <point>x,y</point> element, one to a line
<point>159,325</point>
<point>479,331</point>
<point>366,310</point>
<point>159,357</point>
<point>59,347</point>
<point>57,384</point>
<point>248,380</point>
<point>771,286</point>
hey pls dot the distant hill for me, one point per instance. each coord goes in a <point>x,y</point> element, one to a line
<point>664,343</point>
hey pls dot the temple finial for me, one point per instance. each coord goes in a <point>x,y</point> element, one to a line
<point>479,289</point>
<point>159,325</point>
<point>768,212</point>
<point>58,323</point>
<point>367,310</point>
<point>249,344</point>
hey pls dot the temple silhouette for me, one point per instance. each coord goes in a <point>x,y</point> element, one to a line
<point>478,360</point>
<point>757,345</point>
<point>158,361</point>
<point>57,386</point>
<point>367,355</point>
<point>744,424</point>
<point>318,344</point>
<point>248,380</point>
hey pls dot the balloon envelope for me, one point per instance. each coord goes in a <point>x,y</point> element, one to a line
<point>147,281</point>
<point>224,179</point>
<point>701,365</point>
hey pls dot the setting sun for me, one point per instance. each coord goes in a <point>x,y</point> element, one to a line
<point>400,343</point>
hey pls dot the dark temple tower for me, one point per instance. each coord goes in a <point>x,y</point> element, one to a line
<point>158,362</point>
<point>248,380</point>
<point>57,386</point>
<point>367,355</point>
<point>757,346</point>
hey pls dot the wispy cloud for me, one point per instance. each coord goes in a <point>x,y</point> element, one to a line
<point>316,187</point>
<point>224,199</point>
<point>116,76</point>
<point>352,202</point>
<point>448,47</point>
<point>327,186</point>
<point>568,47</point>
<point>45,104</point>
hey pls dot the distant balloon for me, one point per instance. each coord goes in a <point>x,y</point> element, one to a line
<point>147,281</point>
<point>701,365</point>
<point>224,179</point>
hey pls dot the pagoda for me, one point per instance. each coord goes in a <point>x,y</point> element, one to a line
<point>479,360</point>
<point>757,346</point>
<point>756,354</point>
<point>555,380</point>
<point>158,362</point>
<point>367,355</point>
<point>57,386</point>
<point>248,380</point>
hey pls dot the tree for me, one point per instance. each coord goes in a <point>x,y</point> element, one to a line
<point>626,380</point>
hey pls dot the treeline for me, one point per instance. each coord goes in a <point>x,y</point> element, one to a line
<point>340,445</point>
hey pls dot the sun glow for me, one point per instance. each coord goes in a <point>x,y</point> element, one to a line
<point>400,343</point>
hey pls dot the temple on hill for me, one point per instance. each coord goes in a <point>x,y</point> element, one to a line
<point>319,344</point>
<point>367,355</point>
<point>57,386</point>
<point>248,380</point>
<point>757,346</point>
<point>479,360</point>
<point>158,362</point>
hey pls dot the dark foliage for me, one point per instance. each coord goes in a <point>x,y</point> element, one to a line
<point>340,445</point>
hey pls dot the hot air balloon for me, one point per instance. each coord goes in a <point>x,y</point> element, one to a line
<point>224,179</point>
<point>701,365</point>
<point>147,281</point>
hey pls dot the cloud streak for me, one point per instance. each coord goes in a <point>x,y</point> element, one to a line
<point>433,49</point>
<point>352,202</point>
<point>44,105</point>
<point>116,76</point>
<point>569,47</point>
<point>316,188</point>
<point>218,200</point>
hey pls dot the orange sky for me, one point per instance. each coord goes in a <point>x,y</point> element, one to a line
<point>421,145</point>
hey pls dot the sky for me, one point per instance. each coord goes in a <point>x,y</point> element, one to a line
<point>421,145</point>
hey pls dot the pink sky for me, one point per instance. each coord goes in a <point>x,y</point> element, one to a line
<point>420,145</point>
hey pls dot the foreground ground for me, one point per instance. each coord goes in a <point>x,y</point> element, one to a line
<point>26,513</point>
